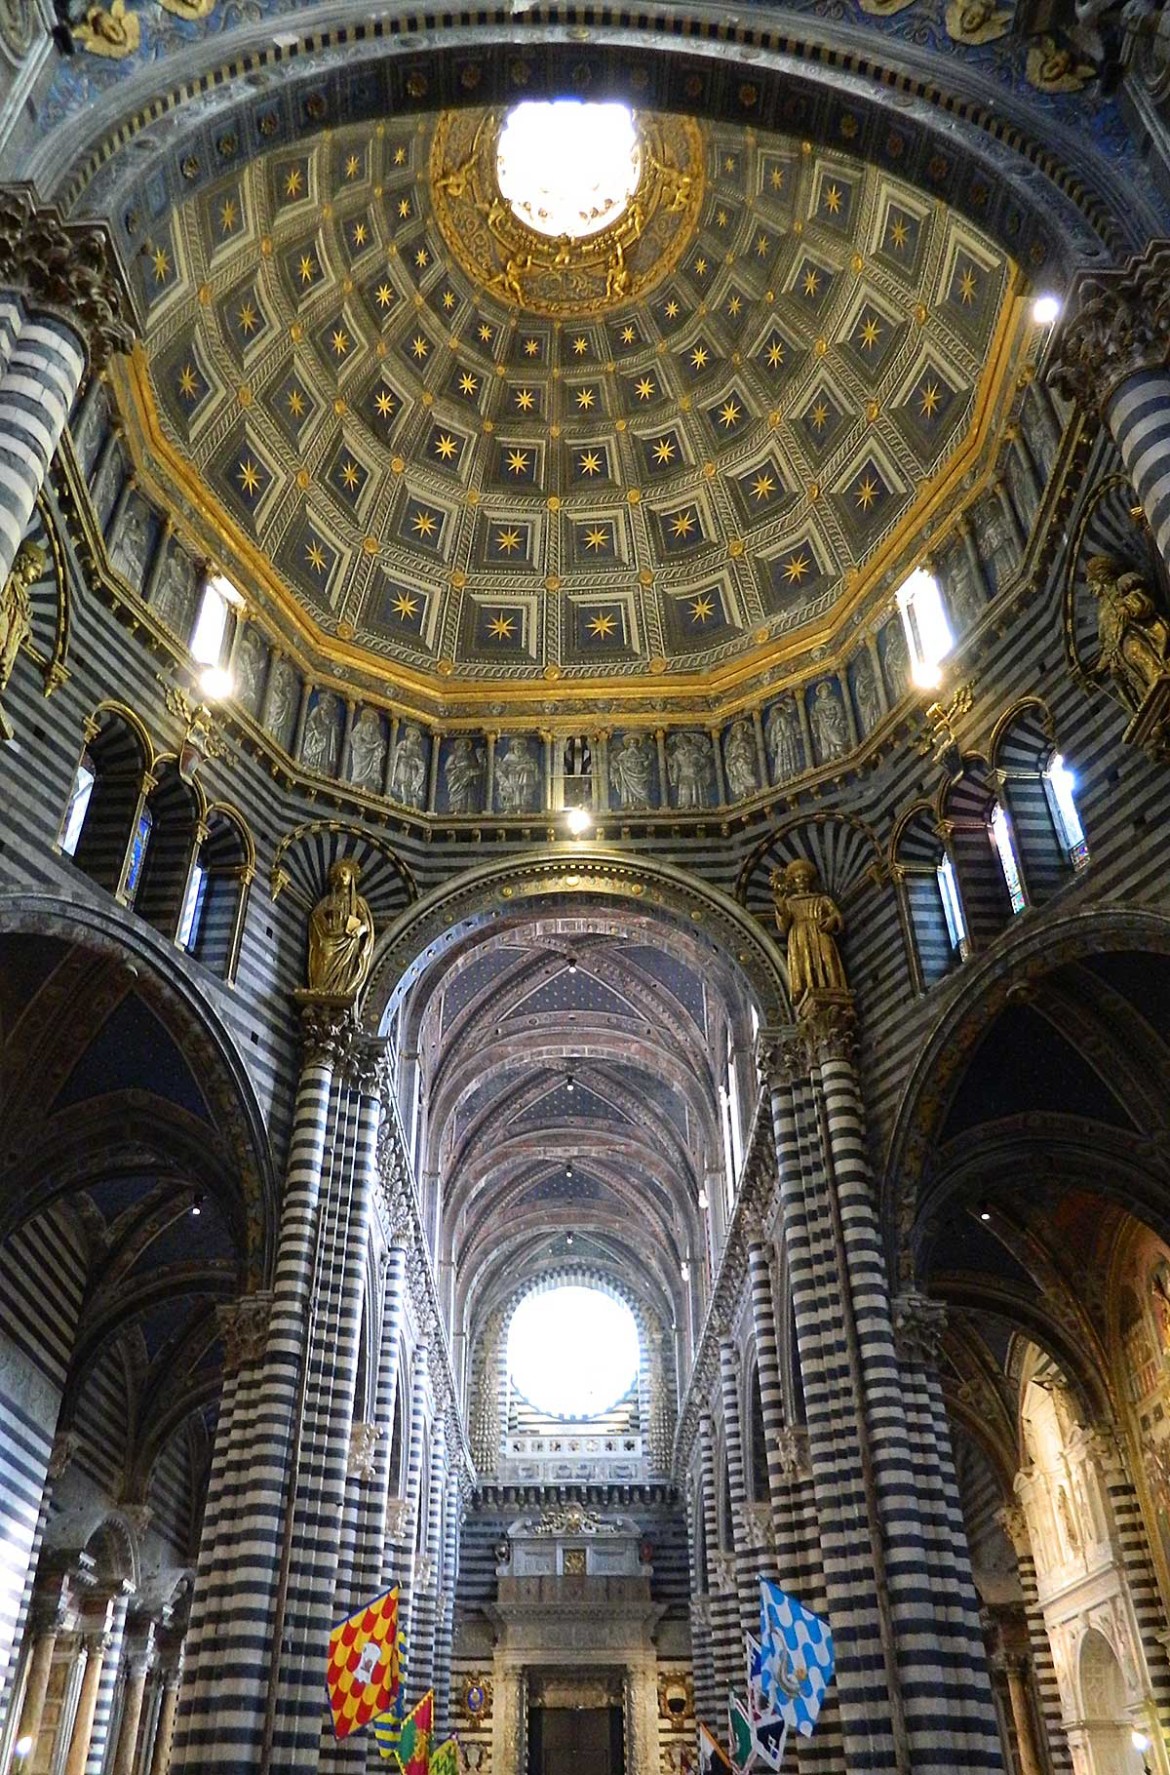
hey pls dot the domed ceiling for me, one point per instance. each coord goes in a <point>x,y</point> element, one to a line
<point>458,455</point>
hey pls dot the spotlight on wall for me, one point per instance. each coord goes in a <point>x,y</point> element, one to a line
<point>1141,1742</point>
<point>23,1747</point>
<point>985,1214</point>
<point>684,1270</point>
<point>569,1239</point>
<point>1046,309</point>
<point>570,1082</point>
<point>568,1167</point>
<point>197,1205</point>
<point>579,821</point>
<point>572,967</point>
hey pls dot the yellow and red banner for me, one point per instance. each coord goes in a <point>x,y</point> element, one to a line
<point>362,1675</point>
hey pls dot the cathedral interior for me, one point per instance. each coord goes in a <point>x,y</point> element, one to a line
<point>585,845</point>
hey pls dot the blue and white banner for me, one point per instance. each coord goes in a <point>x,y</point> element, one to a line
<point>797,1661</point>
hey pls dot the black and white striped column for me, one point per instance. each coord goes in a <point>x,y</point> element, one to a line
<point>226,1728</point>
<point>1015,1526</point>
<point>428,1570</point>
<point>37,389</point>
<point>701,1657</point>
<point>419,1406</point>
<point>1138,415</point>
<point>371,1559</point>
<point>445,1622</point>
<point>747,1575</point>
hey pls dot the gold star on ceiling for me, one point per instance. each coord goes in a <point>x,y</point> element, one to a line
<point>700,267</point>
<point>339,340</point>
<point>293,183</point>
<point>734,306</point>
<point>350,473</point>
<point>308,268</point>
<point>729,163</point>
<point>812,283</point>
<point>820,415</point>
<point>644,389</point>
<point>601,626</point>
<point>585,399</point>
<point>763,486</point>
<point>729,414</point>
<point>405,605</point>
<point>385,404</point>
<point>899,234</point>
<point>776,178</point>
<point>400,156</point>
<point>703,608</point>
<point>870,334</point>
<point>525,399</point>
<point>448,300</point>
<point>188,382</point>
<point>359,234</point>
<point>423,524</point>
<point>929,396</point>
<point>832,200</point>
<point>508,541</point>
<point>629,334</point>
<point>589,462</point>
<point>866,492</point>
<point>419,347</point>
<point>580,347</point>
<point>721,218</point>
<point>249,476</point>
<point>315,556</point>
<point>664,452</point>
<point>762,246</point>
<point>403,208</point>
<point>699,356</point>
<point>518,462</point>
<point>485,333</point>
<point>775,355</point>
<point>383,295</point>
<point>501,626</point>
<point>795,568</point>
<point>682,524</point>
<point>294,400</point>
<point>248,318</point>
<point>468,384</point>
<point>596,538</point>
<point>968,284</point>
<point>351,167</point>
<point>670,309</point>
<point>532,348</point>
<point>446,449</point>
<point>228,215</point>
<point>422,258</point>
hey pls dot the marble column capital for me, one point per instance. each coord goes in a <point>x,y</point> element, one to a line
<point>919,1324</point>
<point>243,1326</point>
<point>1116,323</point>
<point>70,269</point>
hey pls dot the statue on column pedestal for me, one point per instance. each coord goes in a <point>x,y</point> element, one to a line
<point>810,920</point>
<point>341,936</point>
<point>16,614</point>
<point>1135,650</point>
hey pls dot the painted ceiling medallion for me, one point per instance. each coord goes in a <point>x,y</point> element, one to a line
<point>565,274</point>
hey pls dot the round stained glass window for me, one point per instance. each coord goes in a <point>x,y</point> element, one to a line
<point>572,1351</point>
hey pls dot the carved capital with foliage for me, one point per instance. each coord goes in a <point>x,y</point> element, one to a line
<point>243,1327</point>
<point>919,1324</point>
<point>1116,323</point>
<point>70,268</point>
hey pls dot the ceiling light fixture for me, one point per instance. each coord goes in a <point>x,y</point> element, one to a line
<point>568,168</point>
<point>197,1205</point>
<point>702,1198</point>
<point>570,1082</point>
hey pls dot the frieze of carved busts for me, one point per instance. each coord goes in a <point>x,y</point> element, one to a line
<point>66,266</point>
<point>1116,323</point>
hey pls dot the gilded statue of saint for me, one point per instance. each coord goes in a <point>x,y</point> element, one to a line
<point>1134,636</point>
<point>16,606</point>
<point>341,936</point>
<point>810,921</point>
